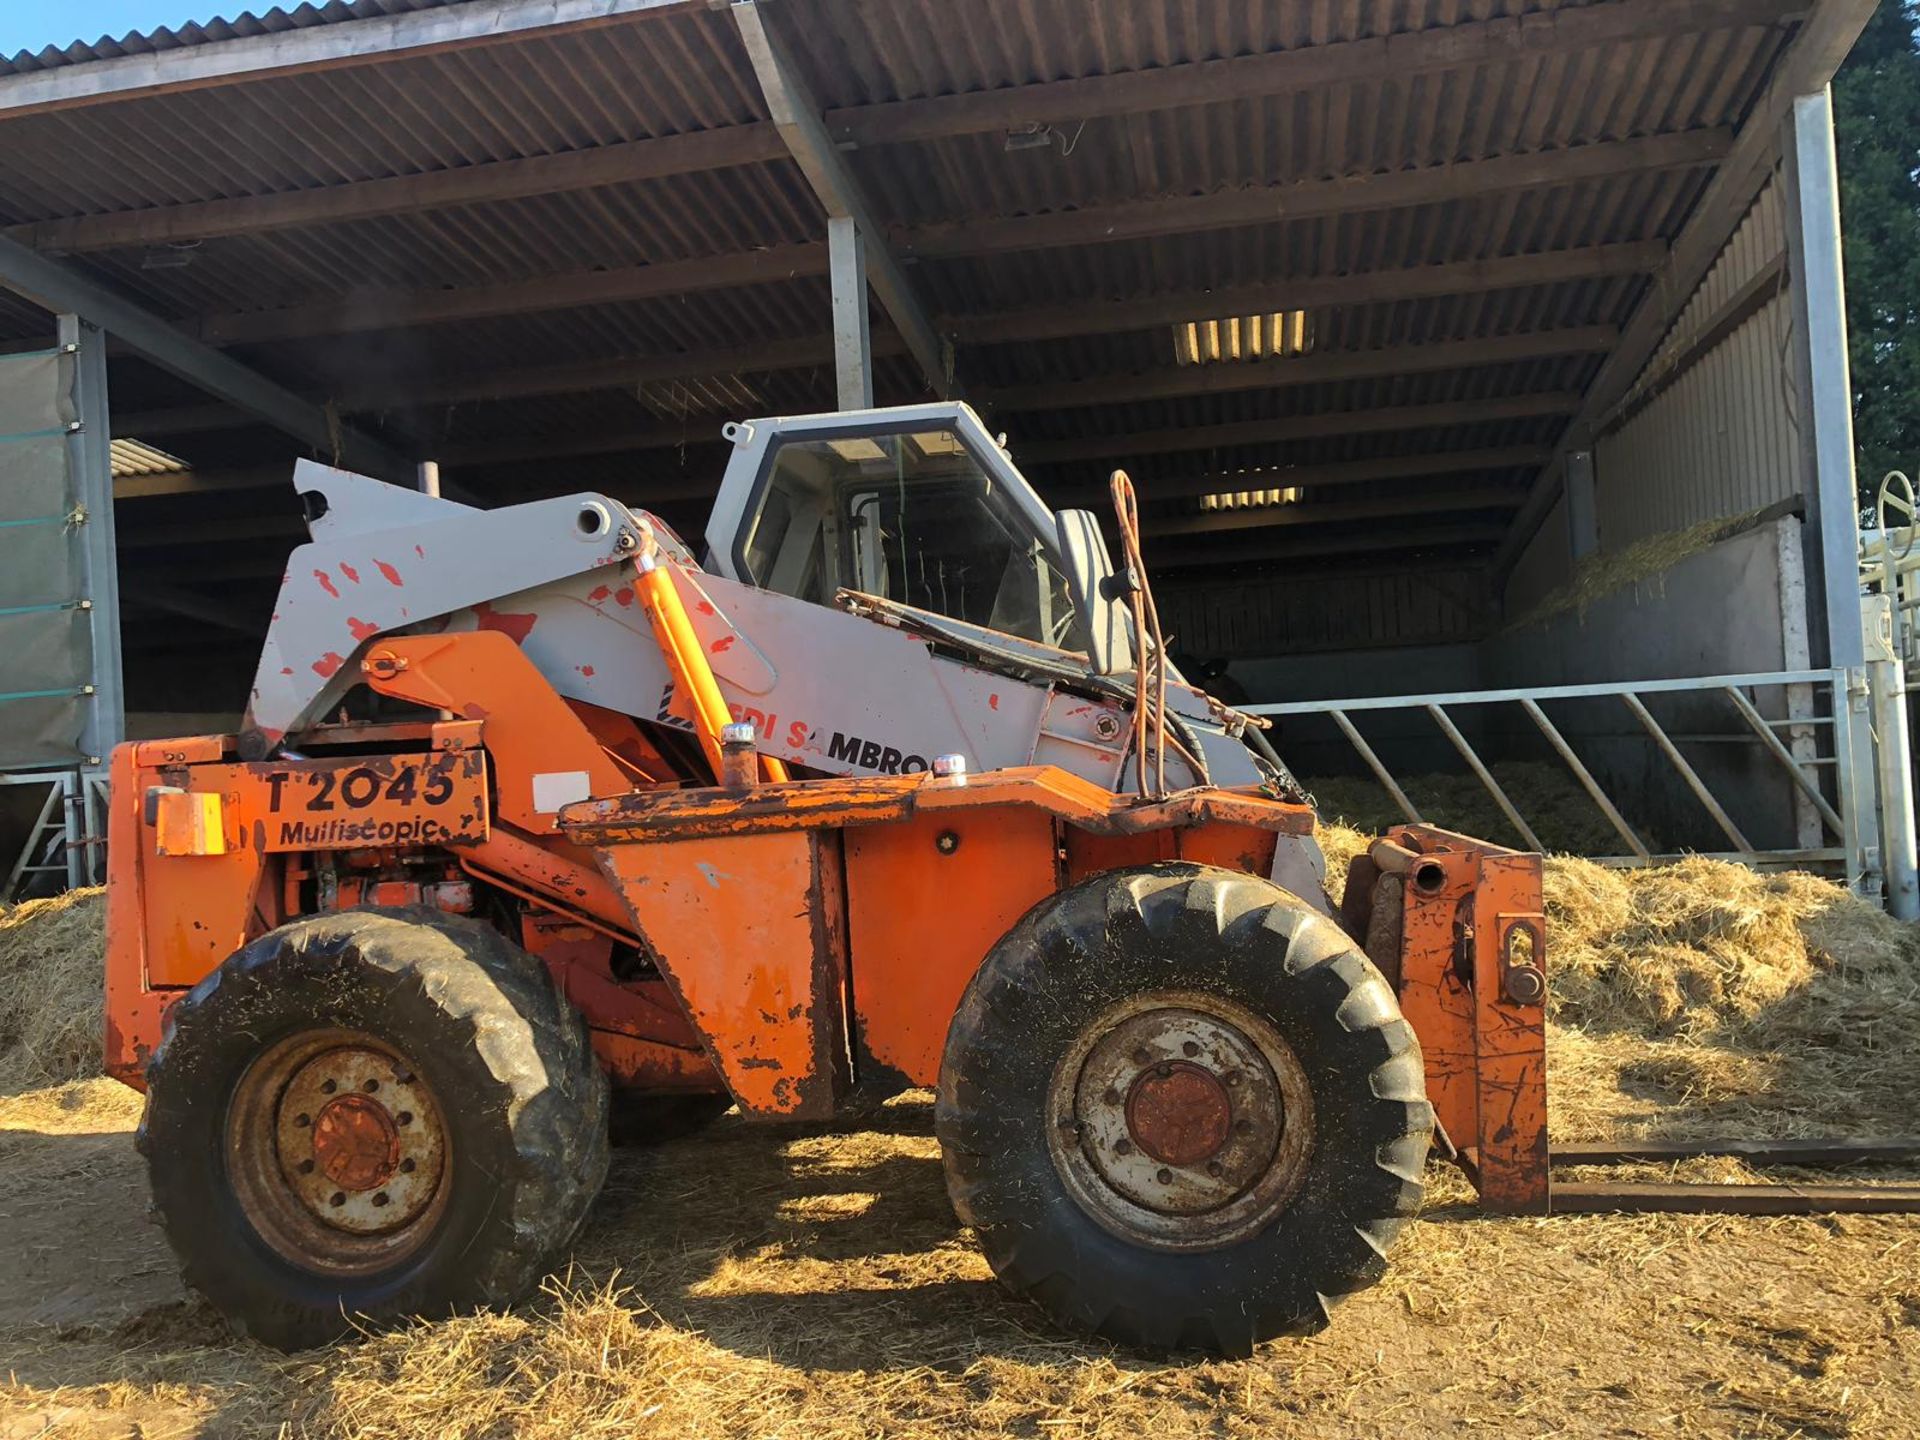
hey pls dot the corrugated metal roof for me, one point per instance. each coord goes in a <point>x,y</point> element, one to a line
<point>683,70</point>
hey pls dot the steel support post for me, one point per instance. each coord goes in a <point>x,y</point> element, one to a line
<point>852,337</point>
<point>90,456</point>
<point>1583,516</point>
<point>1823,384</point>
<point>1823,389</point>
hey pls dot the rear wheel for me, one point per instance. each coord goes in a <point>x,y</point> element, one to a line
<point>375,1113</point>
<point>1181,1110</point>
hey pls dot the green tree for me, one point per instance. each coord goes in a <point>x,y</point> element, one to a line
<point>1877,129</point>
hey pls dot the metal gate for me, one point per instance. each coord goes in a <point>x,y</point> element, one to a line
<point>1824,752</point>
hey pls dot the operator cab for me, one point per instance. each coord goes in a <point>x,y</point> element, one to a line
<point>917,506</point>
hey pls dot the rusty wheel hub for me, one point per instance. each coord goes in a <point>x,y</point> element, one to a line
<point>1181,1121</point>
<point>337,1151</point>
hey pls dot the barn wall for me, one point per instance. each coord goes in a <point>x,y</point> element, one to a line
<point>1720,439</point>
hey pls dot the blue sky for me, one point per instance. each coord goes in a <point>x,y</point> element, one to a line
<point>35,24</point>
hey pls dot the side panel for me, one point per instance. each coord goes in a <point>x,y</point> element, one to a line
<point>747,932</point>
<point>927,898</point>
<point>1485,1048</point>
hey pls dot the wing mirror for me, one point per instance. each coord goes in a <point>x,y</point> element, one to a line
<point>1090,582</point>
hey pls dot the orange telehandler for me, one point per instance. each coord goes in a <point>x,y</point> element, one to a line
<point>531,811</point>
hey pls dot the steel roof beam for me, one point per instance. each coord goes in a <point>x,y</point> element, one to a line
<point>58,288</point>
<point>405,309</point>
<point>1401,57</point>
<point>1808,66</point>
<point>1310,369</point>
<point>308,48</point>
<point>796,114</point>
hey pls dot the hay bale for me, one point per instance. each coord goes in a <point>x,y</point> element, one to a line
<point>52,959</point>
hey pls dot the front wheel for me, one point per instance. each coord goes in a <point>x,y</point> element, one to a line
<point>372,1113</point>
<point>1182,1111</point>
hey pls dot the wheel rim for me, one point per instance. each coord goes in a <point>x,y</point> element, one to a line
<point>1180,1121</point>
<point>338,1152</point>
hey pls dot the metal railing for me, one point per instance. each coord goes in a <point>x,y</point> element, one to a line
<point>63,839</point>
<point>1830,703</point>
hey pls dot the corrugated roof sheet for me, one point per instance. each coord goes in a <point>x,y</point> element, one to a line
<point>683,70</point>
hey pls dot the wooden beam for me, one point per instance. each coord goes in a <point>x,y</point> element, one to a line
<point>405,309</point>
<point>203,482</point>
<point>1332,425</point>
<point>1808,66</point>
<point>181,420</point>
<point>1285,517</point>
<point>1401,57</point>
<point>1267,205</point>
<point>1116,314</point>
<point>1309,369</point>
<point>403,194</point>
<point>305,49</point>
<point>1381,540</point>
<point>621,373</point>
<point>1347,472</point>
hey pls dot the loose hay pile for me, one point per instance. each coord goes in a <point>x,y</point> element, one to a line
<point>50,989</point>
<point>1704,999</point>
<point>763,1283</point>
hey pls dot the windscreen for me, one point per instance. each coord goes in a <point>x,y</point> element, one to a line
<point>912,517</point>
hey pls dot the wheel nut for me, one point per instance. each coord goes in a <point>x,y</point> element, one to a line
<point>1190,1049</point>
<point>406,1166</point>
<point>338,1199</point>
<point>303,1121</point>
<point>381,1198</point>
<point>1112,1097</point>
<point>1216,1169</point>
<point>405,1117</point>
<point>1243,1126</point>
<point>306,1167</point>
<point>1232,1077</point>
<point>1142,1056</point>
<point>1165,1177</point>
<point>371,1086</point>
<point>328,1086</point>
<point>1123,1147</point>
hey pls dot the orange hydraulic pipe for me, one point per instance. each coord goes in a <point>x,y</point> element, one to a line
<point>688,661</point>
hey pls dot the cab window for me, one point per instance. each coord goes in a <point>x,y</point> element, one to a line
<point>910,517</point>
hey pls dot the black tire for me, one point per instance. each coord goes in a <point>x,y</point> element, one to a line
<point>518,1117</point>
<point>1110,945</point>
<point>656,1119</point>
